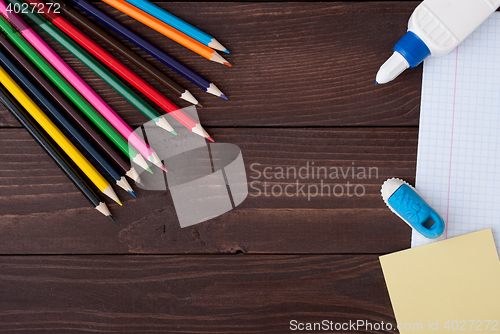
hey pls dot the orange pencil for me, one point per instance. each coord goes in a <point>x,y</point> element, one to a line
<point>167,30</point>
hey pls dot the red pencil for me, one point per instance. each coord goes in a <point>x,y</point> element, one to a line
<point>120,69</point>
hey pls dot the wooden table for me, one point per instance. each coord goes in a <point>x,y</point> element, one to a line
<point>301,91</point>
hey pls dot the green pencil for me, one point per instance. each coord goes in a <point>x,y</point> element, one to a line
<point>96,67</point>
<point>72,94</point>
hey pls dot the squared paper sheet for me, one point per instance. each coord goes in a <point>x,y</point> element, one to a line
<point>458,163</point>
<point>446,287</point>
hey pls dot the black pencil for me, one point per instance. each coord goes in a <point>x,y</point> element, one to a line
<point>52,150</point>
<point>61,120</point>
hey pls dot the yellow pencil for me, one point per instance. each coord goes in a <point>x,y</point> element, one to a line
<point>57,135</point>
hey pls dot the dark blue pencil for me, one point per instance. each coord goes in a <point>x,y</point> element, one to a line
<point>148,47</point>
<point>58,116</point>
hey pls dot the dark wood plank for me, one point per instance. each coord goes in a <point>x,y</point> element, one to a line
<point>295,64</point>
<point>189,294</point>
<point>42,212</point>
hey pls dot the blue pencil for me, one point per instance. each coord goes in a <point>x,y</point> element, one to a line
<point>178,24</point>
<point>148,47</point>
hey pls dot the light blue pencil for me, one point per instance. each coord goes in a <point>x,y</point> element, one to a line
<point>178,24</point>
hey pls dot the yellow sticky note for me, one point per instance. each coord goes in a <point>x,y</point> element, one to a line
<point>450,286</point>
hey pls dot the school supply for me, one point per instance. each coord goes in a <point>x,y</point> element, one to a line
<point>67,107</point>
<point>53,151</point>
<point>167,30</point>
<point>186,72</point>
<point>406,203</point>
<point>72,94</point>
<point>435,28</point>
<point>178,24</point>
<point>128,54</point>
<point>120,69</point>
<point>447,286</point>
<point>76,81</point>
<point>458,156</point>
<point>58,116</point>
<point>57,136</point>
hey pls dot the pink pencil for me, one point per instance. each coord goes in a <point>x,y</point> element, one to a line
<point>81,86</point>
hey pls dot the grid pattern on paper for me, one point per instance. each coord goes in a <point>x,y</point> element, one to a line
<point>458,162</point>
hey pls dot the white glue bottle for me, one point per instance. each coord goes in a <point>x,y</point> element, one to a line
<point>435,28</point>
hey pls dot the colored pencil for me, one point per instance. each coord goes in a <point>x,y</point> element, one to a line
<point>124,51</point>
<point>57,135</point>
<point>72,94</point>
<point>105,110</point>
<point>114,64</point>
<point>167,30</point>
<point>53,151</point>
<point>67,107</point>
<point>178,24</point>
<point>95,66</point>
<point>120,29</point>
<point>58,116</point>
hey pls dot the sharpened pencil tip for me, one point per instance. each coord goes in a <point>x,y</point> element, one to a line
<point>224,97</point>
<point>225,51</point>
<point>131,193</point>
<point>376,82</point>
<point>111,217</point>
<point>164,169</point>
<point>210,138</point>
<point>199,105</point>
<point>149,170</point>
<point>173,132</point>
<point>140,183</point>
<point>120,203</point>
<point>228,64</point>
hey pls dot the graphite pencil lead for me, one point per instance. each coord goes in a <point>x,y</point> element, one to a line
<point>111,217</point>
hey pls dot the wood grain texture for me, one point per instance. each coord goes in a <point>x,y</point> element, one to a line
<point>301,91</point>
<point>294,64</point>
<point>42,212</point>
<point>188,294</point>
